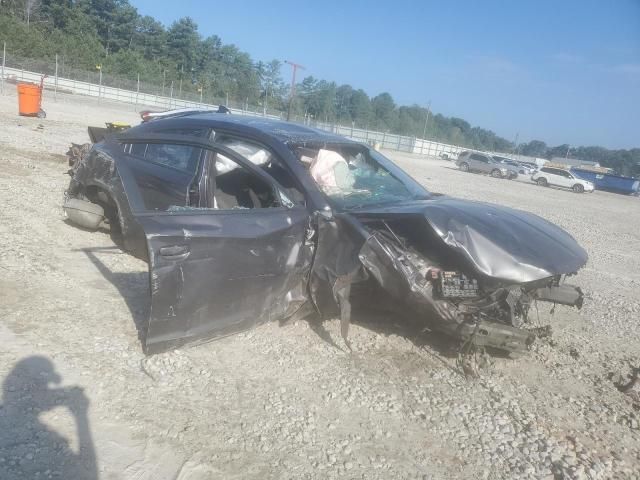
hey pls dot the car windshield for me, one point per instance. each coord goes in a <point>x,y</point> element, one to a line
<point>355,176</point>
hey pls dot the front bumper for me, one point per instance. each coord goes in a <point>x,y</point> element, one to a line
<point>492,333</point>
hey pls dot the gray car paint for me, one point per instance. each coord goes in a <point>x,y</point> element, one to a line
<point>213,272</point>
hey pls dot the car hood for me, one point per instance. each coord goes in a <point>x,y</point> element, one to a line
<point>501,242</point>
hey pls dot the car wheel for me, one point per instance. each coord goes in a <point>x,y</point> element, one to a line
<point>578,188</point>
<point>496,173</point>
<point>464,166</point>
<point>542,182</point>
<point>84,213</point>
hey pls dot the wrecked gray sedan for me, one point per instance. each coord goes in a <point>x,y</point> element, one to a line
<point>246,220</point>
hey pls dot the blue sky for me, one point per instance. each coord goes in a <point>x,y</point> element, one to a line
<point>564,71</point>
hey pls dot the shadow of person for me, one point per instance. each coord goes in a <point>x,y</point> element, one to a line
<point>28,448</point>
<point>132,286</point>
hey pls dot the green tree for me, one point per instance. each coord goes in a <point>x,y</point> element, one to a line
<point>535,148</point>
<point>182,43</point>
<point>383,110</point>
<point>360,108</point>
<point>150,38</point>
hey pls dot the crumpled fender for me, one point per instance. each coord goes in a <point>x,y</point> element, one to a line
<point>500,242</point>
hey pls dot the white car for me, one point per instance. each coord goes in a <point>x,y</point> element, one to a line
<point>558,177</point>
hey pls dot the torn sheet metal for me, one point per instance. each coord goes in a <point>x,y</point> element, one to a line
<point>487,310</point>
<point>498,242</point>
<point>336,267</point>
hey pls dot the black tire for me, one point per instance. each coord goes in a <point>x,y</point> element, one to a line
<point>542,182</point>
<point>577,188</point>
<point>464,166</point>
<point>495,173</point>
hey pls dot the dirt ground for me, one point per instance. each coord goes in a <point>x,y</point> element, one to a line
<point>80,400</point>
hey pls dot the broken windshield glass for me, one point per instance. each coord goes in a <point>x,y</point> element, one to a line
<point>352,178</point>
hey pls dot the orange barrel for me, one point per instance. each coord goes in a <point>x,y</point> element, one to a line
<point>29,96</point>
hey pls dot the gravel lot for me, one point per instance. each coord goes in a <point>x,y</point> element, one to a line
<point>291,402</point>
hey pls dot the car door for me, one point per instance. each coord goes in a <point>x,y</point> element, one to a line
<point>215,271</point>
<point>477,162</point>
<point>567,179</point>
<point>552,177</point>
<point>556,177</point>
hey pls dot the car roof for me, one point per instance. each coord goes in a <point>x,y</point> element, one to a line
<point>282,131</point>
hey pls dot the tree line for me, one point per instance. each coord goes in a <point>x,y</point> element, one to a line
<point>112,34</point>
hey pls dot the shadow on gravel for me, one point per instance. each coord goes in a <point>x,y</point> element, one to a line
<point>393,322</point>
<point>114,234</point>
<point>29,448</point>
<point>132,286</point>
<point>379,313</point>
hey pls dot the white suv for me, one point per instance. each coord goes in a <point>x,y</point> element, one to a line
<point>559,177</point>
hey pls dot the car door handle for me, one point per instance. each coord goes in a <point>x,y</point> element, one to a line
<point>174,252</point>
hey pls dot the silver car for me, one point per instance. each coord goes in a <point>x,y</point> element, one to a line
<point>520,167</point>
<point>479,162</point>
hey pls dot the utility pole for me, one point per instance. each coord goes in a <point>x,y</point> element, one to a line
<point>515,143</point>
<point>55,88</point>
<point>99,68</point>
<point>567,155</point>
<point>4,56</point>
<point>295,67</point>
<point>265,104</point>
<point>426,120</point>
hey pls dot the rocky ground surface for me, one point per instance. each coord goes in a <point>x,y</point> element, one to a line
<point>292,402</point>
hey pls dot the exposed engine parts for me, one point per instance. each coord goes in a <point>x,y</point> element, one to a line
<point>476,310</point>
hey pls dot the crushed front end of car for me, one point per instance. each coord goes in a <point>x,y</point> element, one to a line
<point>470,270</point>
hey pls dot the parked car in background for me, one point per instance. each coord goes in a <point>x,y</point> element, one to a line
<point>558,177</point>
<point>520,167</point>
<point>479,162</point>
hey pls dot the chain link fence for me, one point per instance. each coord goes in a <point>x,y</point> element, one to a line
<point>168,94</point>
<point>148,92</point>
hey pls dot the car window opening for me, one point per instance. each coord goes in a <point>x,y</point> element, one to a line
<point>262,158</point>
<point>234,187</point>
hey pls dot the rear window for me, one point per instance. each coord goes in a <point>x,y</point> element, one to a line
<point>179,157</point>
